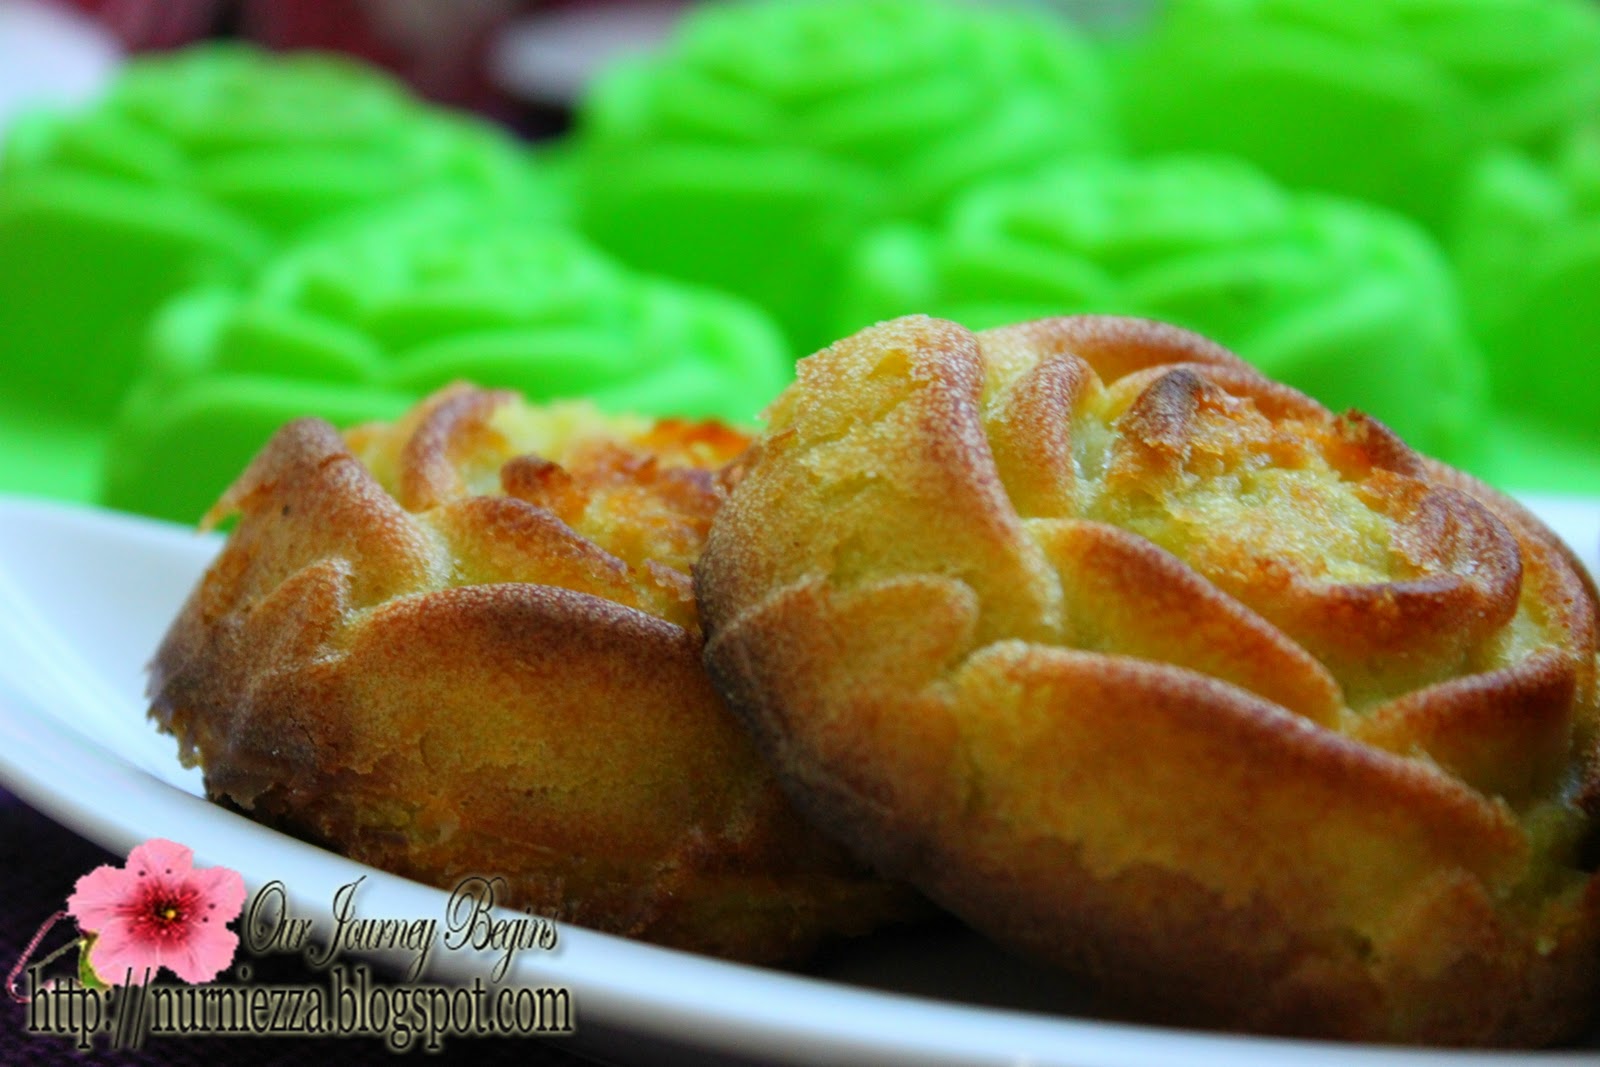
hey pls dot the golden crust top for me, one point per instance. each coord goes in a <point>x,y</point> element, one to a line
<point>1094,589</point>
<point>466,644</point>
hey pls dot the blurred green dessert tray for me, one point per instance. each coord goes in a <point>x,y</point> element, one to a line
<point>229,239</point>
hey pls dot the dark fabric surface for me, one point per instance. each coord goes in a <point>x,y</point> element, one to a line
<point>40,862</point>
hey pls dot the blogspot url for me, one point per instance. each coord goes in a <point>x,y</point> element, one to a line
<point>348,1004</point>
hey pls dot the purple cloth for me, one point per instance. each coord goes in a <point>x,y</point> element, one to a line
<point>40,862</point>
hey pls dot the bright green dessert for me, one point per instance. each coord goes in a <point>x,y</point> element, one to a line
<point>193,168</point>
<point>1527,247</point>
<point>360,323</point>
<point>1386,100</point>
<point>753,150</point>
<point>1350,303</point>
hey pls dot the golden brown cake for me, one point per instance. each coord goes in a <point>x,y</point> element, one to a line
<point>466,644</point>
<point>1151,667</point>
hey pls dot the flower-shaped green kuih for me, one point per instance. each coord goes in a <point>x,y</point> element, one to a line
<point>1343,300</point>
<point>1386,100</point>
<point>196,166</point>
<point>376,313</point>
<point>750,152</point>
<point>1527,246</point>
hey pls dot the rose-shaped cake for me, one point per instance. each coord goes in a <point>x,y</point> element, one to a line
<point>769,134</point>
<point>360,323</point>
<point>465,644</point>
<point>1150,666</point>
<point>1527,244</point>
<point>1343,300</point>
<point>1385,100</point>
<point>194,166</point>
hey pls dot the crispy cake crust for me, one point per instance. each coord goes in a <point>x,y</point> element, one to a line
<point>1154,668</point>
<point>444,657</point>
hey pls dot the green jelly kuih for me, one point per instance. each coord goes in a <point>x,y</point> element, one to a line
<point>1527,248</point>
<point>1386,100</point>
<point>193,168</point>
<point>752,151</point>
<point>1348,302</point>
<point>373,314</point>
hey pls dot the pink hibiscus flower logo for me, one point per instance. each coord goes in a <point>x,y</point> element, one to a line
<point>158,911</point>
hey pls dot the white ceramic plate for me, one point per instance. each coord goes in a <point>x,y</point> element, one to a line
<point>55,56</point>
<point>86,595</point>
